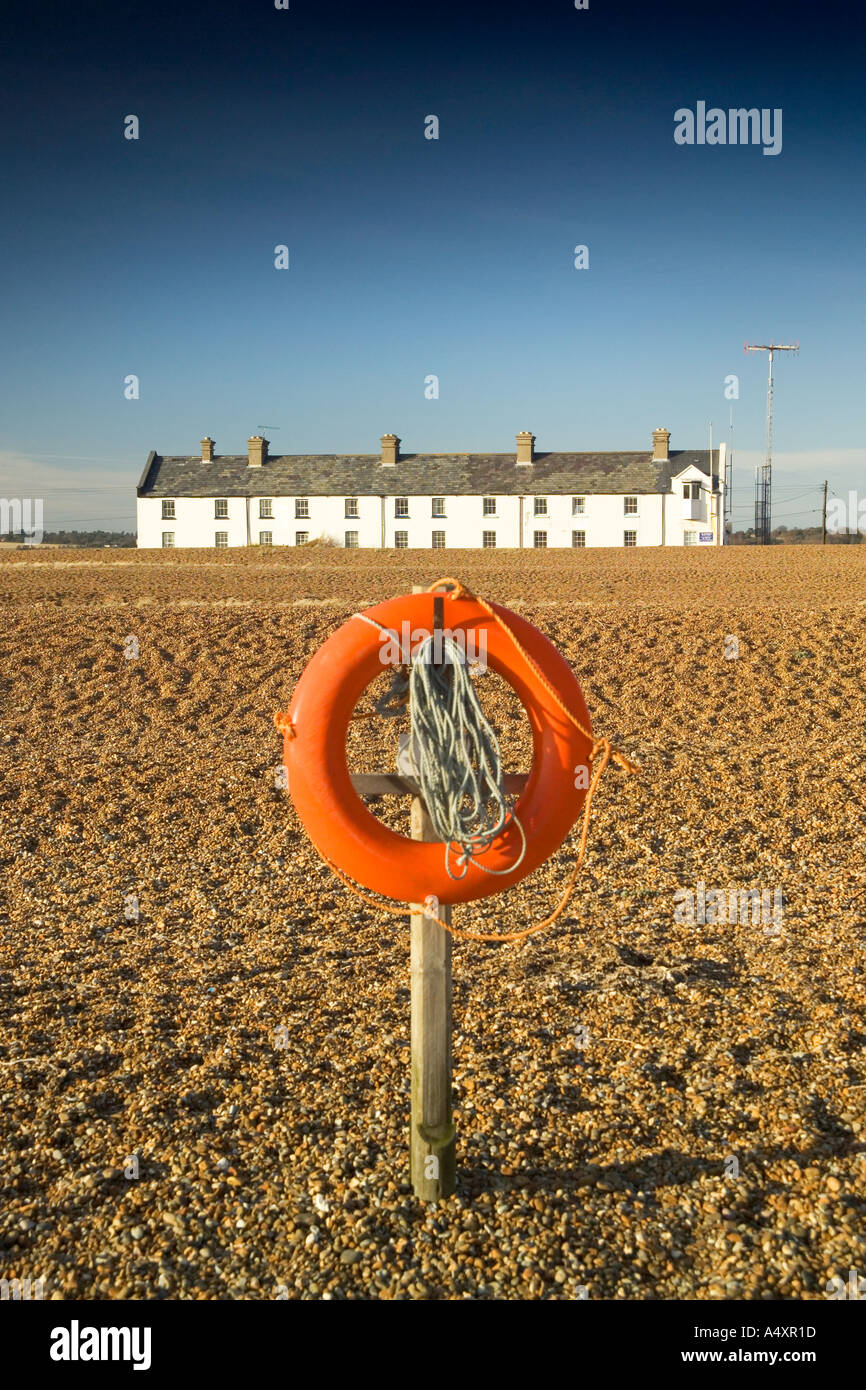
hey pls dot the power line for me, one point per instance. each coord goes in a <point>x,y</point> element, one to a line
<point>49,488</point>
<point>799,496</point>
<point>77,520</point>
<point>78,458</point>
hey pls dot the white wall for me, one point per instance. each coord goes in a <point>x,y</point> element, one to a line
<point>660,519</point>
<point>194,523</point>
<point>463,523</point>
<point>703,518</point>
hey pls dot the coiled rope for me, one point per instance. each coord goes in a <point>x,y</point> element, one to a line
<point>601,754</point>
<point>458,758</point>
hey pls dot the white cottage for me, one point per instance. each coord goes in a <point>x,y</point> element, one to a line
<point>403,501</point>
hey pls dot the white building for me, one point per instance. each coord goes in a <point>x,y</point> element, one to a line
<point>424,501</point>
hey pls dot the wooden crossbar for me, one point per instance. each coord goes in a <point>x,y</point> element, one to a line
<point>378,784</point>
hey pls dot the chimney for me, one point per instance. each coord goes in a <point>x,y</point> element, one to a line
<point>390,450</point>
<point>525,446</point>
<point>661,439</point>
<point>207,449</point>
<point>258,447</point>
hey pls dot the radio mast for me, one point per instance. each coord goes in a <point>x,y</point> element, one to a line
<point>764,471</point>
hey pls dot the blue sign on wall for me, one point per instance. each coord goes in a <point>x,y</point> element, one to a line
<point>705,535</point>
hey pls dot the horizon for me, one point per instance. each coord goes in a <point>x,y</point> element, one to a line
<point>557,257</point>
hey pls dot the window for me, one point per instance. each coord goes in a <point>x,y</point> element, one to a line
<point>221,540</point>
<point>539,540</point>
<point>691,492</point>
<point>438,541</point>
<point>578,506</point>
<point>351,506</point>
<point>401,540</point>
<point>221,507</point>
<point>540,508</point>
<point>578,540</point>
<point>488,540</point>
<point>489,506</point>
<point>351,540</point>
<point>629,506</point>
<point>302,507</point>
<point>302,537</point>
<point>168,540</point>
<point>629,537</point>
<point>168,509</point>
<point>266,508</point>
<point>690,537</point>
<point>438,506</point>
<point>401,506</point>
<point>266,538</point>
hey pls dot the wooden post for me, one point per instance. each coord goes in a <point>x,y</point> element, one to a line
<point>433,1159</point>
<point>432,1139</point>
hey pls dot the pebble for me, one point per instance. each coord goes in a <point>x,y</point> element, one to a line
<point>604,1167</point>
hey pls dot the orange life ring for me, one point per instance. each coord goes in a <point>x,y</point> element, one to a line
<point>333,814</point>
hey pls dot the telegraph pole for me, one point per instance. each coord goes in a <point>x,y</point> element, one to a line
<point>729,477</point>
<point>764,472</point>
<point>824,517</point>
<point>710,491</point>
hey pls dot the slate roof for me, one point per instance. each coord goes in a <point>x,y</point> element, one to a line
<point>426,475</point>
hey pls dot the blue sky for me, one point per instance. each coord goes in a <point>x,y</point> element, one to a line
<point>411,257</point>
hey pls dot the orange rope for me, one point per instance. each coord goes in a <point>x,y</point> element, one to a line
<point>500,936</point>
<point>600,746</point>
<point>460,591</point>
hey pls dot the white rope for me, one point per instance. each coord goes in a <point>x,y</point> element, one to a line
<point>377,626</point>
<point>460,765</point>
<point>393,701</point>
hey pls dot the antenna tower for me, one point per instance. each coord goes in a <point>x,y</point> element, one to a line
<point>764,471</point>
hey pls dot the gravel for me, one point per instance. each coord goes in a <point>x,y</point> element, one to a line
<point>162,916</point>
